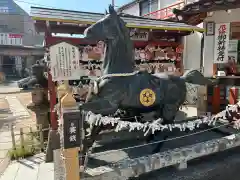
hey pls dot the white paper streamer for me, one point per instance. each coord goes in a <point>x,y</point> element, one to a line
<point>152,127</point>
<point>148,127</point>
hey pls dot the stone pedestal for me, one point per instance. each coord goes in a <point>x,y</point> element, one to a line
<point>42,118</point>
<point>202,101</point>
<point>40,107</point>
<point>53,144</point>
<point>39,96</point>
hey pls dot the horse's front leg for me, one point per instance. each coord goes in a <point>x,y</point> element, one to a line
<point>88,143</point>
<point>169,112</point>
<point>98,106</point>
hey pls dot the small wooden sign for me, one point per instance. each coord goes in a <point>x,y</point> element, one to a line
<point>139,35</point>
<point>64,62</point>
<point>71,129</point>
<point>210,28</point>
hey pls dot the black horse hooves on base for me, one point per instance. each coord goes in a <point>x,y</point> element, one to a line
<point>121,87</point>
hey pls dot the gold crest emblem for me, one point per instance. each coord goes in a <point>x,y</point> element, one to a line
<point>147,97</point>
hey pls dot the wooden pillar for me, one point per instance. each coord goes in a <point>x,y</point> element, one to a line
<point>214,69</point>
<point>71,135</point>
<point>233,95</point>
<point>216,100</point>
<point>53,101</point>
<point>51,89</point>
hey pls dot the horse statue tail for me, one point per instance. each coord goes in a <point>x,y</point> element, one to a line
<point>195,77</point>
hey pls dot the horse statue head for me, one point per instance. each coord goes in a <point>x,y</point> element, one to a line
<point>118,56</point>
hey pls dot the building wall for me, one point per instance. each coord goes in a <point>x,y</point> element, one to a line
<point>166,3</point>
<point>31,37</point>
<point>217,17</point>
<point>192,51</point>
<point>133,10</point>
<point>16,20</point>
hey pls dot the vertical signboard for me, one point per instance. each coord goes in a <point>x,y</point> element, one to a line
<point>64,62</point>
<point>221,43</point>
<point>71,129</point>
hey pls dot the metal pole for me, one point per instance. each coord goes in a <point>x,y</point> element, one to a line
<point>113,3</point>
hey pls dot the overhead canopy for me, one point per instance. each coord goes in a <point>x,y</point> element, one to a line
<point>195,13</point>
<point>6,50</point>
<point>87,18</point>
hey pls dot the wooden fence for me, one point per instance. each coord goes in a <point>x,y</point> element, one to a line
<point>27,141</point>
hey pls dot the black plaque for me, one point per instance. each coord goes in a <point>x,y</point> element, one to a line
<point>71,129</point>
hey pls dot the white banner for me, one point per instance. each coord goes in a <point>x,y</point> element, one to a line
<point>64,62</point>
<point>11,39</point>
<point>221,42</point>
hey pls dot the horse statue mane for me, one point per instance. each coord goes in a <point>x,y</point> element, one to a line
<point>119,56</point>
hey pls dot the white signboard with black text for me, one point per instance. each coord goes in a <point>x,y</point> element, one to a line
<point>221,43</point>
<point>139,35</point>
<point>64,62</point>
<point>233,46</point>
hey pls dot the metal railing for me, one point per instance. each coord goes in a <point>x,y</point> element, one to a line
<point>166,12</point>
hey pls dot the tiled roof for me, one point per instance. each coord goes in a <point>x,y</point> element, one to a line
<point>202,6</point>
<point>59,15</point>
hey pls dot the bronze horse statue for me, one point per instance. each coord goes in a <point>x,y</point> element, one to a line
<point>121,87</point>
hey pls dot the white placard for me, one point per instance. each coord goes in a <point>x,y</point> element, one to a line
<point>64,62</point>
<point>233,45</point>
<point>221,43</point>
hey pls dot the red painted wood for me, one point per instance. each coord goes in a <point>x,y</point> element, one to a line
<point>233,95</point>
<point>210,100</point>
<point>52,93</point>
<point>216,101</point>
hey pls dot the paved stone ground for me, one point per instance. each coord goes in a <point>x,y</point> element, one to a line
<point>9,87</point>
<point>18,115</point>
<point>32,168</point>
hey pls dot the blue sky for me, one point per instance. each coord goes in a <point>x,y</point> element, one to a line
<point>78,5</point>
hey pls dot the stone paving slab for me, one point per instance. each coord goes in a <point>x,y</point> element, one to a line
<point>18,113</point>
<point>32,168</point>
<point>11,90</point>
<point>4,109</point>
